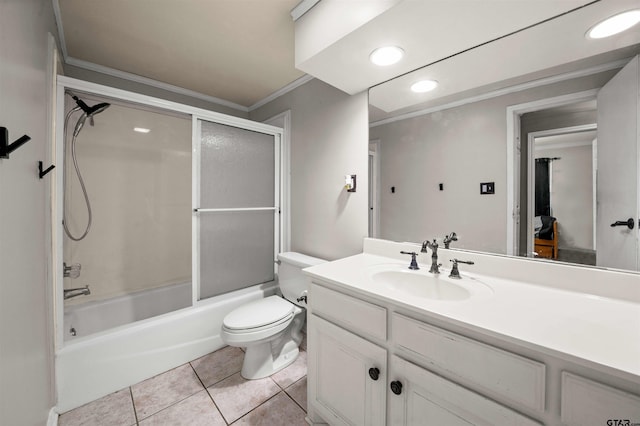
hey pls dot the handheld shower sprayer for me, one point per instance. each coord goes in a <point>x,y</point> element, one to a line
<point>87,112</point>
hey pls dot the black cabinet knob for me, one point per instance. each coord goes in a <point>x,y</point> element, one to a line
<point>374,373</point>
<point>396,387</point>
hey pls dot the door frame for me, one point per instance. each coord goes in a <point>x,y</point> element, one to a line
<point>514,146</point>
<point>283,120</point>
<point>531,137</point>
<point>374,189</point>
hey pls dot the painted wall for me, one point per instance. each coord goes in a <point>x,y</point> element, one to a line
<point>139,186</point>
<point>26,327</point>
<point>460,148</point>
<point>329,139</point>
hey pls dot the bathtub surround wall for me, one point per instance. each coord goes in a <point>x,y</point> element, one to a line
<point>329,139</point>
<point>460,148</point>
<point>26,326</point>
<point>139,185</point>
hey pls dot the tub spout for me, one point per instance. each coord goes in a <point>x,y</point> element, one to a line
<point>73,292</point>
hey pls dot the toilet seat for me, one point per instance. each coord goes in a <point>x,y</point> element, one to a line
<point>257,322</point>
<point>255,316</point>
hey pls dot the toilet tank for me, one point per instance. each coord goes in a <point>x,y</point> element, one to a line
<point>292,282</point>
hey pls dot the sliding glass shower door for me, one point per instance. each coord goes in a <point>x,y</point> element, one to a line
<point>237,215</point>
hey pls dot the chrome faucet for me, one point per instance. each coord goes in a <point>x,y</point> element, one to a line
<point>455,273</point>
<point>447,240</point>
<point>434,255</point>
<point>73,292</point>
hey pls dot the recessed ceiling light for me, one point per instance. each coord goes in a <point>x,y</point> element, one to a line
<point>141,130</point>
<point>387,55</point>
<point>424,86</point>
<point>615,24</point>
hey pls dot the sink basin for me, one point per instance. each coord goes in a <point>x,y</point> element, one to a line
<point>427,285</point>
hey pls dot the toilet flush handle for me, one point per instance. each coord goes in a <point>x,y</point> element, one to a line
<point>303,298</point>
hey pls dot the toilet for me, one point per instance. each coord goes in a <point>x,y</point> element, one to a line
<point>271,329</point>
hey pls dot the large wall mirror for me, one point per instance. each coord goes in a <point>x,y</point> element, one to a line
<point>528,146</point>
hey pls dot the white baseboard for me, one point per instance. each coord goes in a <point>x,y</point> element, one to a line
<point>52,420</point>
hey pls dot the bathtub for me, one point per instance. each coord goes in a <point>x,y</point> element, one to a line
<point>92,317</point>
<point>89,367</point>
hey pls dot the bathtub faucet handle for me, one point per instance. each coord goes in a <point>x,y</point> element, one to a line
<point>72,271</point>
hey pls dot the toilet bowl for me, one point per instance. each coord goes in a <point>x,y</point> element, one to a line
<point>271,328</point>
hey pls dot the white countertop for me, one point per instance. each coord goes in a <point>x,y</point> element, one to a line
<point>603,331</point>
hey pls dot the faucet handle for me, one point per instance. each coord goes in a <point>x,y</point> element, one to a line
<point>71,271</point>
<point>455,273</point>
<point>414,263</point>
<point>451,237</point>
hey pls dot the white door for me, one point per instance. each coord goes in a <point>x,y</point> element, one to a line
<point>347,376</point>
<point>419,397</point>
<point>617,181</point>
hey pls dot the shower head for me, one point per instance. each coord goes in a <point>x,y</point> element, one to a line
<point>90,111</point>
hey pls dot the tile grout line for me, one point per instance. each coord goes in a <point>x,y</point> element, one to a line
<point>255,408</point>
<point>206,389</point>
<point>179,401</point>
<point>133,403</point>
<point>292,398</point>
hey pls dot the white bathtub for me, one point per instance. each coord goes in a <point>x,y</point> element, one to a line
<point>92,317</point>
<point>90,367</point>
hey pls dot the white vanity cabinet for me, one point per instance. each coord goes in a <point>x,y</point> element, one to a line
<point>353,381</point>
<point>346,373</point>
<point>420,397</point>
<point>371,362</point>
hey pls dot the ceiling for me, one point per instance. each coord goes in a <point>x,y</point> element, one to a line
<point>239,51</point>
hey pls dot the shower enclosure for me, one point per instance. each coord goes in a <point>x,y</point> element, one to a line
<point>161,207</point>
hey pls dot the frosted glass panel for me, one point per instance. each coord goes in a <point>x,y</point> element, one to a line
<point>236,250</point>
<point>237,167</point>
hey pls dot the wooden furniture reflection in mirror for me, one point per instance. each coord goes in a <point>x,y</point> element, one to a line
<point>548,248</point>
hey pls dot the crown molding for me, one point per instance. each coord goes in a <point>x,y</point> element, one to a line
<point>58,16</point>
<point>286,89</point>
<point>151,82</point>
<point>303,7</point>
<point>507,90</point>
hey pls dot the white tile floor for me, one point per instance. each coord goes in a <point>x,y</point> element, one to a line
<point>206,391</point>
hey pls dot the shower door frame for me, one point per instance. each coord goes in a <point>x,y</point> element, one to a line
<point>196,132</point>
<point>282,190</point>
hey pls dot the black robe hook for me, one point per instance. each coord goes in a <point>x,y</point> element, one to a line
<point>44,173</point>
<point>5,148</point>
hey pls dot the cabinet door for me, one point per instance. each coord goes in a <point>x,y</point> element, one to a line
<point>419,397</point>
<point>341,387</point>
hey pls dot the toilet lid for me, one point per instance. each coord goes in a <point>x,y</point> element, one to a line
<point>259,313</point>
